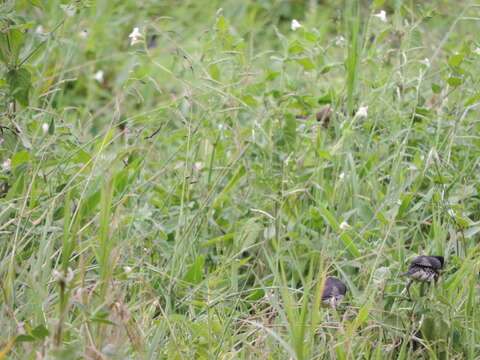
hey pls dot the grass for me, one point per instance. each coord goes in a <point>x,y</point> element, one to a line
<point>189,206</point>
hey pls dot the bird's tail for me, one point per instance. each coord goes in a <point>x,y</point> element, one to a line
<point>408,273</point>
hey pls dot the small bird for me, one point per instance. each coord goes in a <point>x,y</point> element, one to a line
<point>423,269</point>
<point>333,292</point>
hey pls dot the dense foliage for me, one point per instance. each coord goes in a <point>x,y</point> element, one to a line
<point>166,191</point>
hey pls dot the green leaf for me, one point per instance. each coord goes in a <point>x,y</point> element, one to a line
<point>456,60</point>
<point>473,99</point>
<point>436,88</point>
<point>20,84</point>
<point>307,63</point>
<point>214,72</point>
<point>11,44</point>
<point>24,338</point>
<point>222,25</point>
<point>378,3</point>
<point>295,48</point>
<point>454,81</point>
<point>219,239</point>
<point>290,132</point>
<point>240,173</point>
<point>194,274</point>
<point>4,52</point>
<point>20,158</point>
<point>36,3</point>
<point>40,332</point>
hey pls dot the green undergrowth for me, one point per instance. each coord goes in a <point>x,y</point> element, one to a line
<point>171,195</point>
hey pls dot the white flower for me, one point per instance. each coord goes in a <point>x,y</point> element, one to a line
<point>39,29</point>
<point>295,25</point>
<point>477,51</point>
<point>83,34</point>
<point>451,212</point>
<point>135,36</point>
<point>45,127</point>
<point>340,41</point>
<point>99,76</point>
<point>362,111</point>
<point>341,176</point>
<point>63,278</point>
<point>7,165</point>
<point>70,10</point>
<point>425,62</point>
<point>344,225</point>
<point>382,15</point>
<point>127,269</point>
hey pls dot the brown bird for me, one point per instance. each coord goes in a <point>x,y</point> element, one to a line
<point>423,269</point>
<point>333,292</point>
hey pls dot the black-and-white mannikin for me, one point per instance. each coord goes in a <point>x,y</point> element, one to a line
<point>423,269</point>
<point>333,292</point>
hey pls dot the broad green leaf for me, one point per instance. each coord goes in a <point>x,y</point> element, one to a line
<point>307,63</point>
<point>20,84</point>
<point>194,274</point>
<point>11,43</point>
<point>214,72</point>
<point>20,158</point>
<point>295,48</point>
<point>436,88</point>
<point>36,3</point>
<point>454,81</point>
<point>473,99</point>
<point>24,338</point>
<point>40,332</point>
<point>456,60</point>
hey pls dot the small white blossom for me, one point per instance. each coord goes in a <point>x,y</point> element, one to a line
<point>295,25</point>
<point>99,76</point>
<point>344,225</point>
<point>477,51</point>
<point>39,29</point>
<point>341,176</point>
<point>135,36</point>
<point>198,165</point>
<point>70,10</point>
<point>83,34</point>
<point>340,41</point>
<point>45,127</point>
<point>7,165</point>
<point>62,278</point>
<point>382,15</point>
<point>425,62</point>
<point>362,111</point>
<point>127,269</point>
<point>451,212</point>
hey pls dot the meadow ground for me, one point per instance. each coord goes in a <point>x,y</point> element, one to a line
<point>167,193</point>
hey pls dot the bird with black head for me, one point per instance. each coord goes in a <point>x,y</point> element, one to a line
<point>423,269</point>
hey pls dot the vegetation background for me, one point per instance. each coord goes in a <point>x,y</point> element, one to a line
<point>170,195</point>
